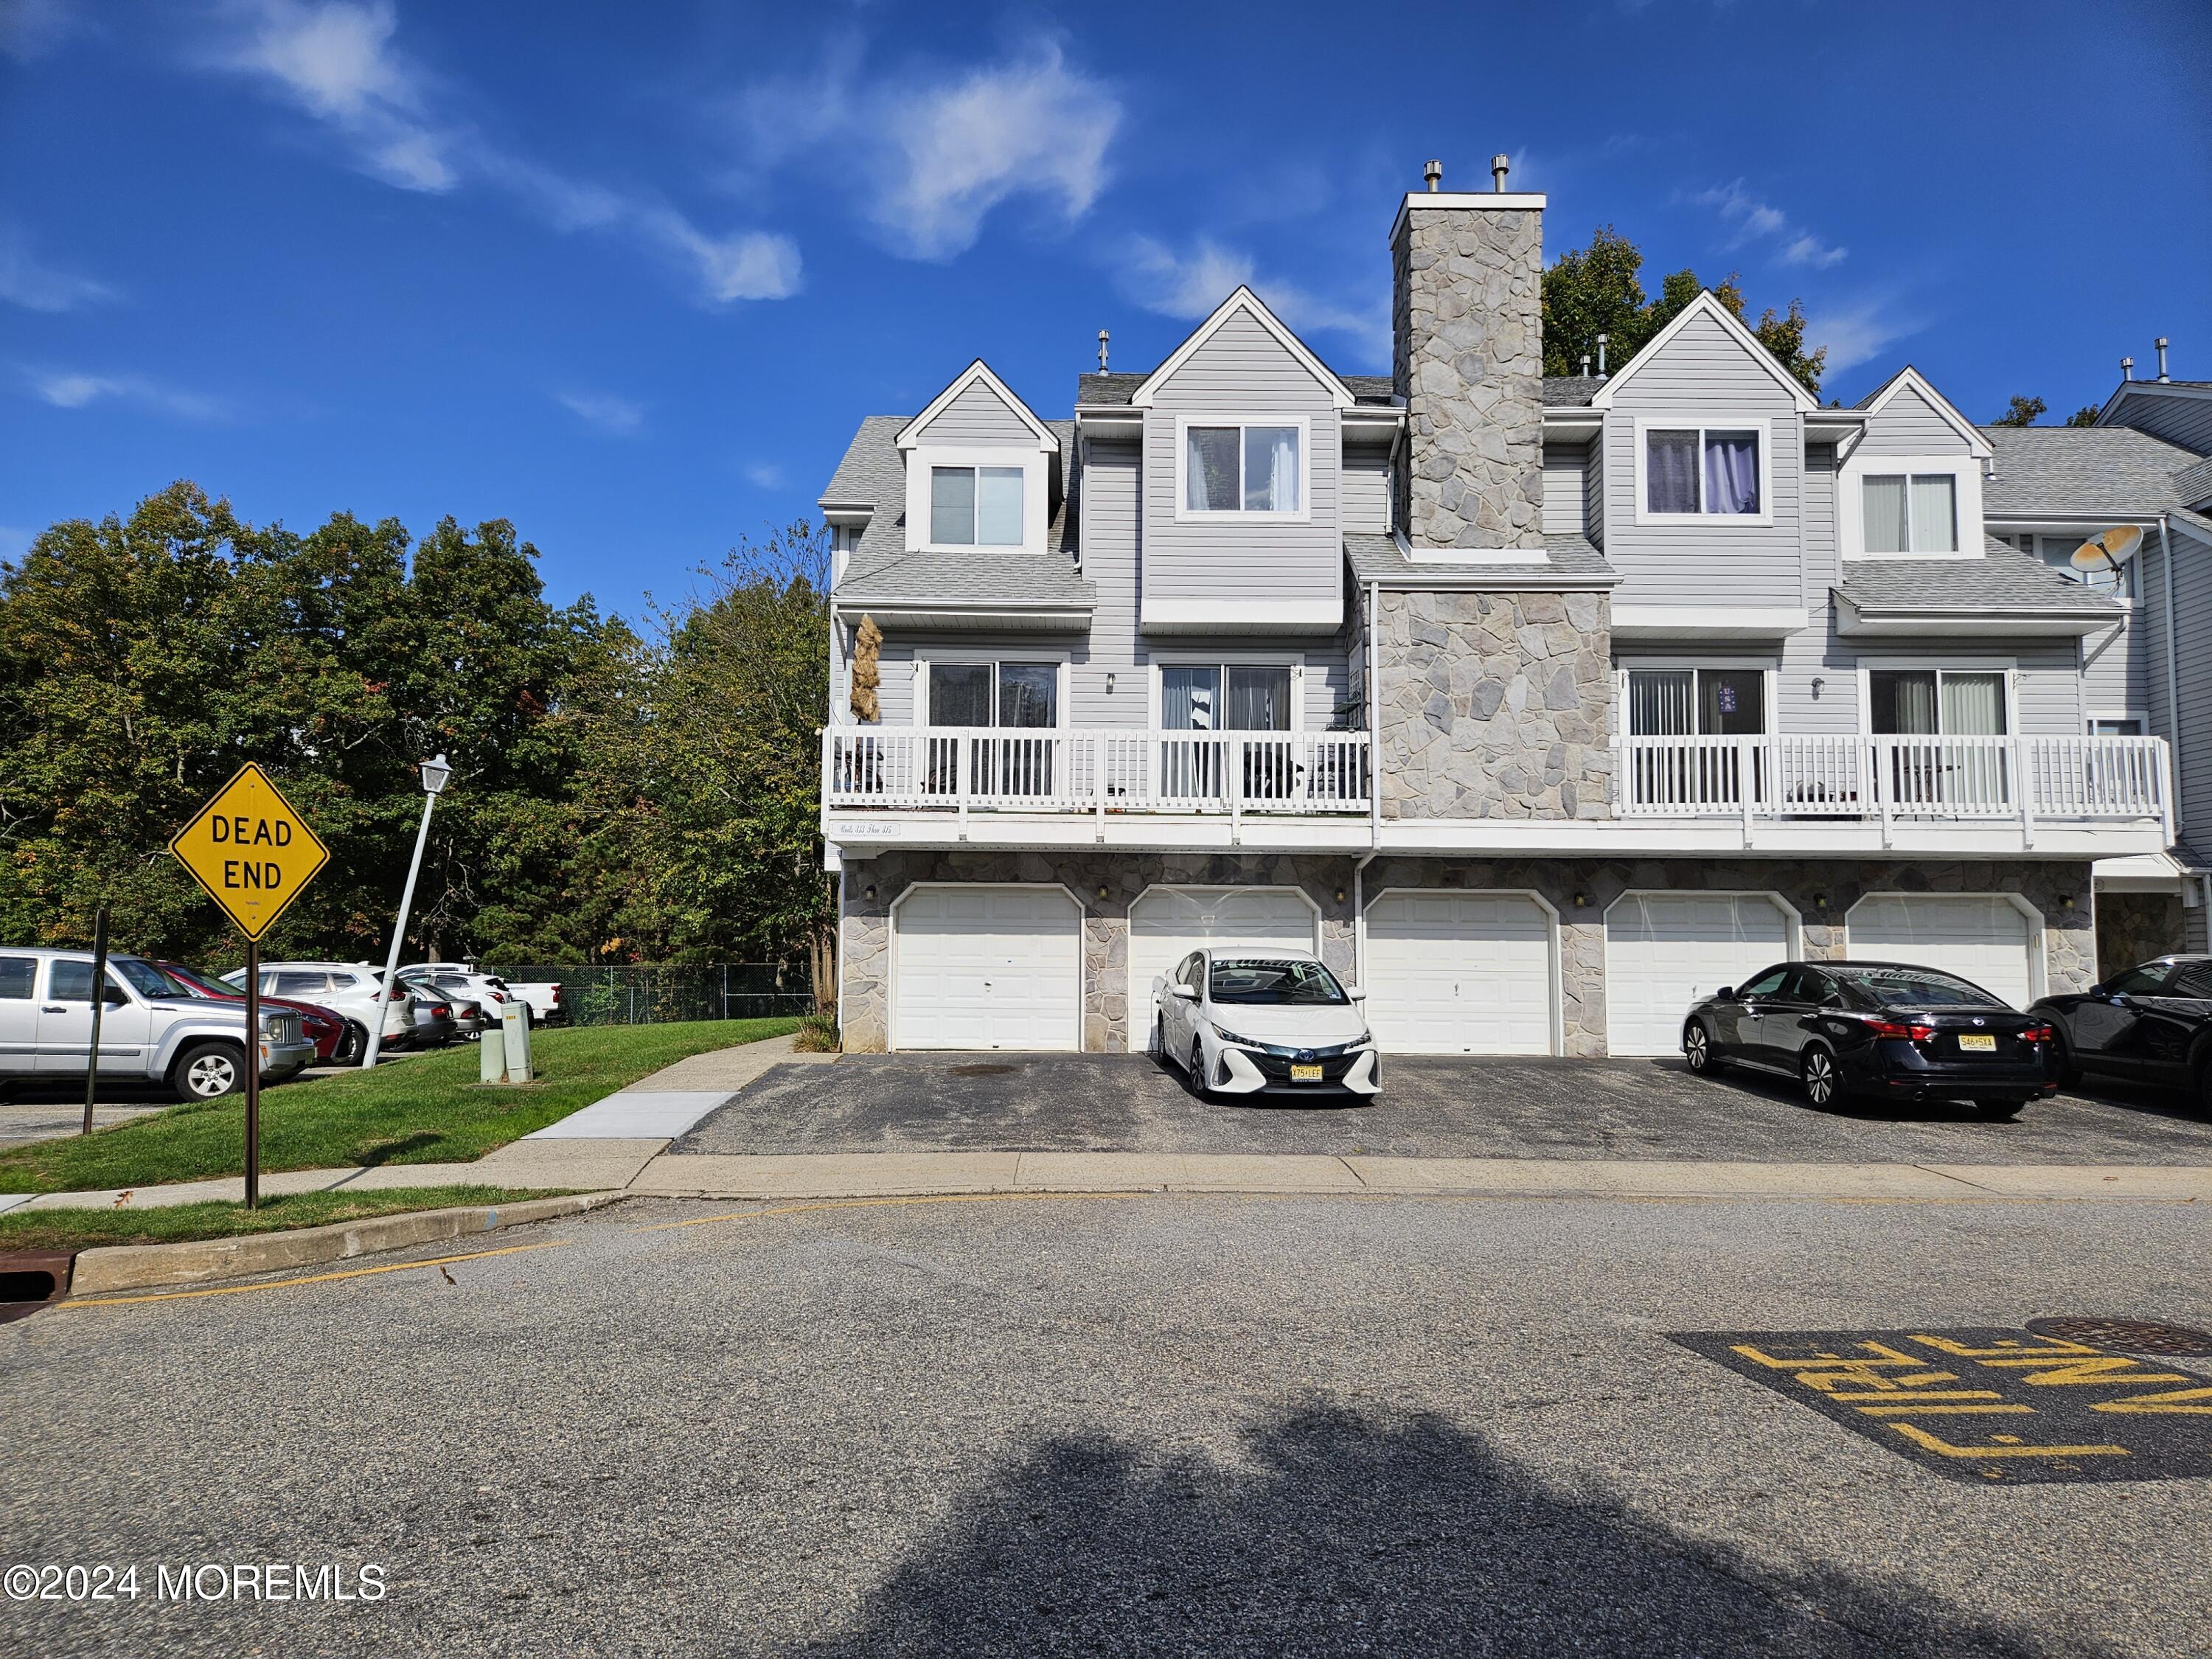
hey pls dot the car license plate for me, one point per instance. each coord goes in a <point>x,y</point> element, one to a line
<point>1305,1073</point>
<point>1973,1044</point>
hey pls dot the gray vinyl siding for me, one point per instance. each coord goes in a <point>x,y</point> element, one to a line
<point>2047,687</point>
<point>1910,425</point>
<point>1367,491</point>
<point>2112,666</point>
<point>978,415</point>
<point>1563,487</point>
<point>1243,374</point>
<point>2192,645</point>
<point>1824,568</point>
<point>2183,420</point>
<point>1703,377</point>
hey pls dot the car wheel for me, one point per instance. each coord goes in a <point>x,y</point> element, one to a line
<point>2063,1064</point>
<point>1196,1070</point>
<point>1824,1084</point>
<point>2204,1088</point>
<point>352,1043</point>
<point>1698,1049</point>
<point>1159,1036</point>
<point>1997,1111</point>
<point>209,1071</point>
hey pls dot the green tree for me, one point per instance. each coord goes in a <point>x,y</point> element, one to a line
<point>2085,415</point>
<point>1598,290</point>
<point>2021,411</point>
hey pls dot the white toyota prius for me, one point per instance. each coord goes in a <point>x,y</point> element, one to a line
<point>1240,1021</point>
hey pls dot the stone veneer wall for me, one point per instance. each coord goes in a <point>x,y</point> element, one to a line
<point>1467,355</point>
<point>1821,890</point>
<point>866,931</point>
<point>2133,927</point>
<point>1495,705</point>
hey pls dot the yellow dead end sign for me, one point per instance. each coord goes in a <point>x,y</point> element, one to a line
<point>251,850</point>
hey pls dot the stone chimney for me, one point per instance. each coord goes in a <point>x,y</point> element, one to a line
<point>1468,338</point>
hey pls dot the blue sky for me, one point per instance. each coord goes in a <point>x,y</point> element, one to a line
<point>629,275</point>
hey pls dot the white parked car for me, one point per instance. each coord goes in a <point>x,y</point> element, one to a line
<point>1241,1020</point>
<point>153,1028</point>
<point>349,987</point>
<point>543,997</point>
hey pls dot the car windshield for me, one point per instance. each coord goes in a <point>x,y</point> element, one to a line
<point>147,980</point>
<point>1259,980</point>
<point>198,984</point>
<point>1917,988</point>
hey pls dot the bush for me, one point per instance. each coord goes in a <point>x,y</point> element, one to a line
<point>818,1034</point>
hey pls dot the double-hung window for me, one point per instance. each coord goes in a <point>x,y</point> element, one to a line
<point>975,506</point>
<point>1243,468</point>
<point>1911,511</point>
<point>1702,472</point>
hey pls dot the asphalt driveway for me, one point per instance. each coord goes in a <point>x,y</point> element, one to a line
<point>1429,1108</point>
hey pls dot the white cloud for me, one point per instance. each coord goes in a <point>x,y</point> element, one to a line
<point>27,283</point>
<point>1756,221</point>
<point>618,417</point>
<point>934,156</point>
<point>1191,285</point>
<point>31,29</point>
<point>1854,333</point>
<point>335,60</point>
<point>765,475</point>
<point>69,389</point>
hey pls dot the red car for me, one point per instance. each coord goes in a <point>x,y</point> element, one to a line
<point>324,1027</point>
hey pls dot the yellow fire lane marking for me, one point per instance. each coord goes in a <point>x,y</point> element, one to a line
<point>307,1279</point>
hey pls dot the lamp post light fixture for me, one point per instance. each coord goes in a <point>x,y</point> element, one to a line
<point>435,774</point>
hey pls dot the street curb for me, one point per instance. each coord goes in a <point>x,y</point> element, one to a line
<point>137,1267</point>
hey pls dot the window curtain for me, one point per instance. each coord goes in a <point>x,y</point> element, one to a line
<point>1886,527</point>
<point>1259,700</point>
<point>953,506</point>
<point>1210,469</point>
<point>1670,473</point>
<point>1271,469</point>
<point>1974,705</point>
<point>1187,698</point>
<point>960,693</point>
<point>1731,703</point>
<point>1731,472</point>
<point>999,507</point>
<point>1935,521</point>
<point>1661,703</point>
<point>1904,703</point>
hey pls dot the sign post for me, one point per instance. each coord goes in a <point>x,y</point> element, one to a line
<point>254,854</point>
<point>98,1007</point>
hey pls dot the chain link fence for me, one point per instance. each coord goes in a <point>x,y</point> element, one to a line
<point>645,995</point>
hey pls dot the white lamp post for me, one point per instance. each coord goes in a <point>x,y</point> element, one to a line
<point>435,774</point>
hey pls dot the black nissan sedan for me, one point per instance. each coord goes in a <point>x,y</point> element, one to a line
<point>1884,1030</point>
<point>2152,1025</point>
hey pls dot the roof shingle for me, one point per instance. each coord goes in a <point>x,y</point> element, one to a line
<point>2082,468</point>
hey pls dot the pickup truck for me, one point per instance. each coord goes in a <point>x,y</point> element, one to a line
<point>543,996</point>
<point>152,1030</point>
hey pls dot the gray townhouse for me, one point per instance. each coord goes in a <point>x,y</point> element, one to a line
<point>1538,706</point>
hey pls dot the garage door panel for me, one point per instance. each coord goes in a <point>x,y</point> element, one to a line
<point>1166,924</point>
<point>1982,936</point>
<point>1665,950</point>
<point>1455,973</point>
<point>989,968</point>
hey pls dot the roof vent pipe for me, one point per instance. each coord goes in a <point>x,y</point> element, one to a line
<point>2127,369</point>
<point>1102,351</point>
<point>1434,173</point>
<point>1498,164</point>
<point>1586,365</point>
<point>2160,344</point>
<point>1600,357</point>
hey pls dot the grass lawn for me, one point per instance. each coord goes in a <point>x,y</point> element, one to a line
<point>80,1229</point>
<point>422,1110</point>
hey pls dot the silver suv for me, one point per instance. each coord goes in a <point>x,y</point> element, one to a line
<point>154,1029</point>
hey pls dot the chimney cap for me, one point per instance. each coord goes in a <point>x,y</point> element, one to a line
<point>1499,166</point>
<point>1433,175</point>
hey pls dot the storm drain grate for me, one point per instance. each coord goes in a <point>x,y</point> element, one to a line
<point>2126,1335</point>
<point>985,1070</point>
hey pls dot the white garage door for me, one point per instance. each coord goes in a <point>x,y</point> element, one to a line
<point>1459,974</point>
<point>1168,923</point>
<point>1980,938</point>
<point>1664,951</point>
<point>986,967</point>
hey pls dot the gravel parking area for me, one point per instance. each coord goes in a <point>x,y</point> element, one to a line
<point>1429,1108</point>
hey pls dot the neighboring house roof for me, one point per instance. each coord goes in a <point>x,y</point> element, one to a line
<point>2074,470</point>
<point>2194,484</point>
<point>2004,580</point>
<point>1110,390</point>
<point>1569,561</point>
<point>1571,391</point>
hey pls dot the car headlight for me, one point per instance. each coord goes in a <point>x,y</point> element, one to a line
<point>1228,1035</point>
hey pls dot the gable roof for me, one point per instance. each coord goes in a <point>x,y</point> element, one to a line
<point>1243,300</point>
<point>1704,305</point>
<point>2073,469</point>
<point>2132,388</point>
<point>910,434</point>
<point>1910,378</point>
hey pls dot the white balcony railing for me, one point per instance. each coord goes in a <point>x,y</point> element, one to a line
<point>940,767</point>
<point>2029,779</point>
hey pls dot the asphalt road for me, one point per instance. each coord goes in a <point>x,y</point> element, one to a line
<point>1101,1425</point>
<point>1429,1108</point>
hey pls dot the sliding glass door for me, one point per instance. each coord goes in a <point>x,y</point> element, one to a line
<point>1211,697</point>
<point>1696,702</point>
<point>1013,698</point>
<point>1948,717</point>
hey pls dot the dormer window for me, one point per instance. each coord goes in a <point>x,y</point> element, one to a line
<point>1702,470</point>
<point>1912,512</point>
<point>975,506</point>
<point>1256,468</point>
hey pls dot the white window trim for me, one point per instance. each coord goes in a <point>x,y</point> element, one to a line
<point>1294,660</point>
<point>1759,424</point>
<point>1965,493</point>
<point>2007,666</point>
<point>1768,668</point>
<point>1035,483</point>
<point>969,655</point>
<point>2090,717</point>
<point>1238,514</point>
<point>2131,570</point>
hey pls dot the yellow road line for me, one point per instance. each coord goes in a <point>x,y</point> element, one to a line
<point>309,1278</point>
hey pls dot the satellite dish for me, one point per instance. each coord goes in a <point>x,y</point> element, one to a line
<point>2108,551</point>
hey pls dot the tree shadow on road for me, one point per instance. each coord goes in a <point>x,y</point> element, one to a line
<point>1341,1532</point>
